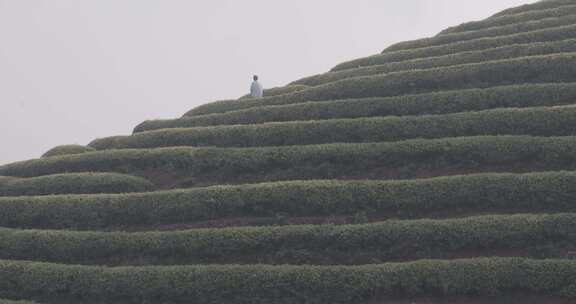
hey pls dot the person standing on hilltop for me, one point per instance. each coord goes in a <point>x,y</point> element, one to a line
<point>256,90</point>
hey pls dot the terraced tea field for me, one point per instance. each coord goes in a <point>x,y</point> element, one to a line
<point>442,170</point>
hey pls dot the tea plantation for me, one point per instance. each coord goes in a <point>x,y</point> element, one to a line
<point>442,170</point>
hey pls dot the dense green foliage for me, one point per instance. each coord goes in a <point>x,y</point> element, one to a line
<point>66,150</point>
<point>408,158</point>
<point>535,69</point>
<point>539,121</point>
<point>489,32</point>
<point>540,5</point>
<point>3,301</point>
<point>548,94</point>
<point>281,90</point>
<point>260,284</point>
<point>534,235</point>
<point>499,53</point>
<point>75,183</point>
<point>545,35</point>
<point>511,19</point>
<point>405,199</point>
<point>6,179</point>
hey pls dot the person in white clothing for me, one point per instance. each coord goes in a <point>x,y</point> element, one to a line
<point>256,90</point>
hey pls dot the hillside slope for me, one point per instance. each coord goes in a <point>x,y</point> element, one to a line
<point>442,170</point>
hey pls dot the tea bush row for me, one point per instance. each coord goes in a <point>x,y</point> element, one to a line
<point>550,192</point>
<point>66,150</point>
<point>6,179</point>
<point>75,183</point>
<point>281,90</point>
<point>285,284</point>
<point>3,301</point>
<point>533,235</point>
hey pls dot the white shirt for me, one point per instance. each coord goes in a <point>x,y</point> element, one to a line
<point>256,90</point>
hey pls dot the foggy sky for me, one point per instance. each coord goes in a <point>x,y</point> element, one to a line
<point>75,70</point>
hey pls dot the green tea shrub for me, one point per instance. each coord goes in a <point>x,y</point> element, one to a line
<point>276,284</point>
<point>75,183</point>
<point>6,179</point>
<point>67,150</point>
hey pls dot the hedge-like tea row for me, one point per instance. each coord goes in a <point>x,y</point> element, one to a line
<point>489,32</point>
<point>539,121</point>
<point>535,69</point>
<point>260,284</point>
<point>75,183</point>
<point>505,52</point>
<point>509,19</point>
<point>66,150</point>
<point>535,235</point>
<point>405,199</point>
<point>545,35</point>
<point>409,158</point>
<point>529,95</point>
<point>281,90</point>
<point>540,5</point>
<point>3,301</point>
<point>6,179</point>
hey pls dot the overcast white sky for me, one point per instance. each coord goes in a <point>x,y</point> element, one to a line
<point>75,70</point>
